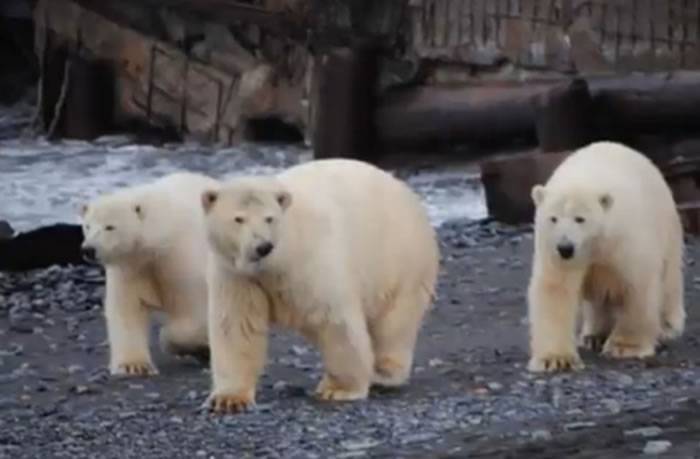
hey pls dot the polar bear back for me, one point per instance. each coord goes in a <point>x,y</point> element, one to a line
<point>353,213</point>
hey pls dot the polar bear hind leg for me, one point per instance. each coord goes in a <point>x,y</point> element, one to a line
<point>394,335</point>
<point>673,313</point>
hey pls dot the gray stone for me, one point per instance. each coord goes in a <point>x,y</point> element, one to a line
<point>354,445</point>
<point>541,435</point>
<point>646,432</point>
<point>657,447</point>
<point>579,425</point>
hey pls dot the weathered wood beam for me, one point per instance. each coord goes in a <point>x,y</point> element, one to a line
<point>343,121</point>
<point>564,117</point>
<point>647,103</point>
<point>428,116</point>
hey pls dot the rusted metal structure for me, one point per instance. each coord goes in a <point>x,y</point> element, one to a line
<point>355,77</point>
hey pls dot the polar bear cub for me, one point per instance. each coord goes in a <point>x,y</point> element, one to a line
<point>608,238</point>
<point>152,242</point>
<point>336,249</point>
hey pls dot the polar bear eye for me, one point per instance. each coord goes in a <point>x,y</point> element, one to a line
<point>579,219</point>
<point>553,219</point>
<point>269,219</point>
<point>239,220</point>
<point>109,228</point>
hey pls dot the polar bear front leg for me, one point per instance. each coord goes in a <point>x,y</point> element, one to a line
<point>127,319</point>
<point>347,356</point>
<point>238,327</point>
<point>553,303</point>
<point>638,325</point>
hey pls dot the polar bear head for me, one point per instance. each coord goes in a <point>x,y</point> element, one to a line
<point>243,219</point>
<point>568,223</point>
<point>114,229</point>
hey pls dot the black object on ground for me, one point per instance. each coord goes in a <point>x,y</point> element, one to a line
<point>57,244</point>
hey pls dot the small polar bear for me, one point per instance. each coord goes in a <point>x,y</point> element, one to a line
<point>336,249</point>
<point>152,242</point>
<point>608,239</point>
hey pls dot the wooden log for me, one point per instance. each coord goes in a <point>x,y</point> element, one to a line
<point>564,117</point>
<point>426,117</point>
<point>343,122</point>
<point>508,182</point>
<point>646,103</point>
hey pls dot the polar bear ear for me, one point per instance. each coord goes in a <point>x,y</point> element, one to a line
<point>138,209</point>
<point>537,194</point>
<point>209,197</point>
<point>284,198</point>
<point>606,201</point>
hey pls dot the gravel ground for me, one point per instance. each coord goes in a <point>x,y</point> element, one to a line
<point>470,394</point>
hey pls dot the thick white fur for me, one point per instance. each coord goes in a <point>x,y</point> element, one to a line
<point>155,260</point>
<point>353,269</point>
<point>627,271</point>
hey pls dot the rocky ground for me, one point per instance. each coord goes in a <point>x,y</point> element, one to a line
<point>470,395</point>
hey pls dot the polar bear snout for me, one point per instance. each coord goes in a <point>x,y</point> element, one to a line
<point>264,249</point>
<point>88,253</point>
<point>566,250</point>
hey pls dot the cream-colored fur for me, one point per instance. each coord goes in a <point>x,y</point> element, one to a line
<point>353,269</point>
<point>152,242</point>
<point>626,268</point>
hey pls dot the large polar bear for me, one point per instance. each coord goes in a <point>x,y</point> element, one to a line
<point>152,242</point>
<point>608,238</point>
<point>338,250</point>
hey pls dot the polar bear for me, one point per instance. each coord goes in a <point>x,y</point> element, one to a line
<point>337,249</point>
<point>608,239</point>
<point>152,242</point>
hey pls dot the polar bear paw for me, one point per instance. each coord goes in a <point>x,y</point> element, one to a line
<point>230,403</point>
<point>593,342</point>
<point>329,390</point>
<point>134,369</point>
<point>620,348</point>
<point>555,362</point>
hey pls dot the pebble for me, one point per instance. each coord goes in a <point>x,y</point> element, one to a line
<point>354,445</point>
<point>419,437</point>
<point>611,405</point>
<point>81,389</point>
<point>73,369</point>
<point>541,435</point>
<point>625,380</point>
<point>495,386</point>
<point>646,432</point>
<point>657,447</point>
<point>579,425</point>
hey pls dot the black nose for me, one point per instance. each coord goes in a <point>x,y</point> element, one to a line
<point>88,253</point>
<point>566,251</point>
<point>264,249</point>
